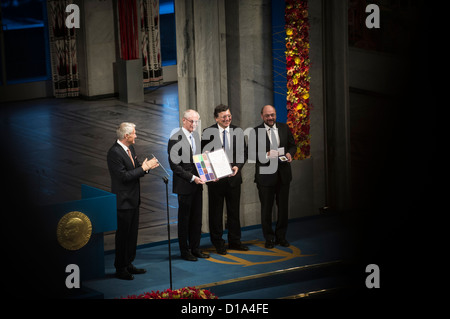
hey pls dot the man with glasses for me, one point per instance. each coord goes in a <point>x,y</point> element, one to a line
<point>187,185</point>
<point>273,182</point>
<point>229,137</point>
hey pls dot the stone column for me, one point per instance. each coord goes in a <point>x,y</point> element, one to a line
<point>187,93</point>
<point>250,86</point>
<point>201,55</point>
<point>96,48</point>
<point>249,59</point>
<point>337,110</point>
<point>317,128</point>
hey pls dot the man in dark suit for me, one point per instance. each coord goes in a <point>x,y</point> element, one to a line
<point>231,139</point>
<point>126,171</point>
<point>273,174</point>
<point>187,185</point>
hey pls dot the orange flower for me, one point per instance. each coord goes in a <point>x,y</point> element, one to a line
<point>297,74</point>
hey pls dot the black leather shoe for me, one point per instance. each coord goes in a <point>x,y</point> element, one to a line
<point>189,257</point>
<point>238,247</point>
<point>269,244</point>
<point>283,242</point>
<point>200,254</point>
<point>124,275</point>
<point>136,271</point>
<point>221,250</point>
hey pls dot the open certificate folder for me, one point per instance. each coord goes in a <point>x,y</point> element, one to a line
<point>212,165</point>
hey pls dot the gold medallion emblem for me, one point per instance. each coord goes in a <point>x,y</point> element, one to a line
<point>74,230</point>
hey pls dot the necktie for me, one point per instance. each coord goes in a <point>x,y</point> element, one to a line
<point>192,143</point>
<point>131,157</point>
<point>225,143</point>
<point>273,140</point>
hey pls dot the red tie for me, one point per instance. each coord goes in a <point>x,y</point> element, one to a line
<point>129,154</point>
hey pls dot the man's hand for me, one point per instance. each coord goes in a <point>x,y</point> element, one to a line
<point>235,170</point>
<point>197,180</point>
<point>150,164</point>
<point>289,157</point>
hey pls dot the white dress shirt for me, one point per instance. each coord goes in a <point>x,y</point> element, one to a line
<point>188,136</point>
<point>125,148</point>
<point>275,130</point>
<point>227,130</point>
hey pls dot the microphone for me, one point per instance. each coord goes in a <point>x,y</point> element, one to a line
<point>160,165</point>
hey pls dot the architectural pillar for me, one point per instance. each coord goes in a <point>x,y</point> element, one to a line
<point>337,109</point>
<point>96,47</point>
<point>184,21</point>
<point>250,84</point>
<point>201,56</point>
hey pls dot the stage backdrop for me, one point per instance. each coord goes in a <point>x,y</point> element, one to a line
<point>151,43</point>
<point>63,50</point>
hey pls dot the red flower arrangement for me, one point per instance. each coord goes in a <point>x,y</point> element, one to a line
<point>182,293</point>
<point>298,80</point>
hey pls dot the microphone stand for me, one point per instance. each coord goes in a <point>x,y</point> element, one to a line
<point>166,181</point>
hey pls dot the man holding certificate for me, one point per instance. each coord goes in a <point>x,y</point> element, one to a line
<point>182,147</point>
<point>230,138</point>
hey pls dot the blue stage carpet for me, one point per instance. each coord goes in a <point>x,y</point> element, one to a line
<point>314,240</point>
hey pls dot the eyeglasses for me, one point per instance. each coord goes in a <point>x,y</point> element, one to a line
<point>192,121</point>
<point>225,117</point>
<point>269,115</point>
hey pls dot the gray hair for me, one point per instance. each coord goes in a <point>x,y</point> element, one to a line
<point>123,129</point>
<point>189,113</point>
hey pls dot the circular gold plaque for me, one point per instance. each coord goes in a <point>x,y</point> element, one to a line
<point>74,230</point>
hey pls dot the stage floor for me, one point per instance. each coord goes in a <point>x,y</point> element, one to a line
<point>62,143</point>
<point>315,241</point>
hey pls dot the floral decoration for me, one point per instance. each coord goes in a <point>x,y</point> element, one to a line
<point>298,80</point>
<point>182,293</point>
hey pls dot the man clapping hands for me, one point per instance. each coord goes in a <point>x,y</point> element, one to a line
<point>126,171</point>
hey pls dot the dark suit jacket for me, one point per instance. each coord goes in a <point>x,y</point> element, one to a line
<point>181,163</point>
<point>284,168</point>
<point>124,177</point>
<point>237,154</point>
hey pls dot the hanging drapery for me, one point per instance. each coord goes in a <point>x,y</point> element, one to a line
<point>63,51</point>
<point>151,45</point>
<point>128,27</point>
